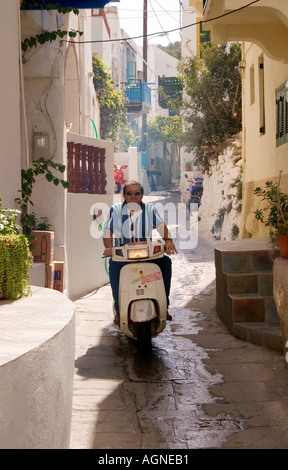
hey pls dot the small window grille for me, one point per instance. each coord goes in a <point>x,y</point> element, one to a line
<point>282,114</point>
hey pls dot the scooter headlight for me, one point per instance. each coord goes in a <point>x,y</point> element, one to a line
<point>138,253</point>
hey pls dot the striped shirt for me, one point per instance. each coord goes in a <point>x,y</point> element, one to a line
<point>131,222</point>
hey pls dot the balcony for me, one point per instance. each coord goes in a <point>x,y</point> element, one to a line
<point>263,23</point>
<point>138,95</point>
<point>169,87</point>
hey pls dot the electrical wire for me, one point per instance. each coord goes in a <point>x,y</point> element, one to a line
<point>161,25</point>
<point>167,35</point>
<point>168,31</point>
<point>165,11</point>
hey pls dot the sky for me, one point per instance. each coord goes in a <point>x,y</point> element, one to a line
<point>163,15</point>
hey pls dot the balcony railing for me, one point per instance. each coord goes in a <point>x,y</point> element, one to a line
<point>137,93</point>
<point>86,168</point>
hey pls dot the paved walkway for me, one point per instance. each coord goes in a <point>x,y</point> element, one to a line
<point>220,392</point>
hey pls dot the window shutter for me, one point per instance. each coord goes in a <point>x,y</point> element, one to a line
<point>282,114</point>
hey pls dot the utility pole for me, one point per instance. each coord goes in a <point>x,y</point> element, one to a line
<point>145,41</point>
<point>145,50</point>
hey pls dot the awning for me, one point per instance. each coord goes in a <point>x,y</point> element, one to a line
<point>66,3</point>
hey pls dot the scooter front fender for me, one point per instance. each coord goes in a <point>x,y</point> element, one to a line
<point>142,310</point>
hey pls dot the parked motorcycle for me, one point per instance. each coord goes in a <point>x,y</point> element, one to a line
<point>195,193</point>
<point>142,297</point>
<point>119,177</point>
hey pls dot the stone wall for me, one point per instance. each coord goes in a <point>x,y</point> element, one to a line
<point>218,211</point>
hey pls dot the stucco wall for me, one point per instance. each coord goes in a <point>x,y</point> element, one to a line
<point>10,117</point>
<point>262,159</point>
<point>37,353</point>
<point>87,269</point>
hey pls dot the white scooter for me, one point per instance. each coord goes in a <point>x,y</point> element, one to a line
<point>142,297</point>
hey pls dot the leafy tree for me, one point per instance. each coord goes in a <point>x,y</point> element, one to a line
<point>173,49</point>
<point>211,109</point>
<point>166,129</point>
<point>113,115</point>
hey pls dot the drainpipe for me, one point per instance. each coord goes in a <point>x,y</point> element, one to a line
<point>27,160</point>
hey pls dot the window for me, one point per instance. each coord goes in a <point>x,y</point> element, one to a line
<point>131,65</point>
<point>282,114</point>
<point>261,95</point>
<point>252,85</point>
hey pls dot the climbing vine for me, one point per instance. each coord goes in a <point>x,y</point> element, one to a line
<point>42,166</point>
<point>47,36</point>
<point>113,114</point>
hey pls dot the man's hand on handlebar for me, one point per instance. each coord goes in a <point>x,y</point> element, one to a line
<point>170,248</point>
<point>107,252</point>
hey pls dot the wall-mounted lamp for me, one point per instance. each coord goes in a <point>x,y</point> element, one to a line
<point>41,145</point>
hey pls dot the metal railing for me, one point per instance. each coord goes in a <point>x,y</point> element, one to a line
<point>137,91</point>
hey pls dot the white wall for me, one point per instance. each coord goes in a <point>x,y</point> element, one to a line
<point>10,115</point>
<point>37,354</point>
<point>86,267</point>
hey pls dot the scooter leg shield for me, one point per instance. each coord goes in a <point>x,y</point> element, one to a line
<point>141,282</point>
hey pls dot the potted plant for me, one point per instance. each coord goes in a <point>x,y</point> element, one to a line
<point>15,257</point>
<point>188,165</point>
<point>275,214</point>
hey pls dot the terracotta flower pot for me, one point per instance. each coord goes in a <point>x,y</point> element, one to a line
<point>283,245</point>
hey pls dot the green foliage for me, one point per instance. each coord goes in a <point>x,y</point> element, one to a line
<point>113,115</point>
<point>47,36</point>
<point>235,232</point>
<point>164,129</point>
<point>15,264</point>
<point>42,166</point>
<point>15,257</point>
<point>173,49</point>
<point>238,184</point>
<point>46,5</point>
<point>275,214</point>
<point>8,220</point>
<point>42,224</point>
<point>218,222</point>
<point>211,108</point>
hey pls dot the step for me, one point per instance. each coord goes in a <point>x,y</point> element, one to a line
<point>253,307</point>
<point>243,256</point>
<point>241,283</point>
<point>268,335</point>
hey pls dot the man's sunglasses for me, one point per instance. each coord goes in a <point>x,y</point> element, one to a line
<point>135,193</point>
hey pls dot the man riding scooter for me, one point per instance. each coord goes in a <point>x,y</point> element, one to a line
<point>133,221</point>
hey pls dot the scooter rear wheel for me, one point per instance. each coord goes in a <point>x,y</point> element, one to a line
<point>144,337</point>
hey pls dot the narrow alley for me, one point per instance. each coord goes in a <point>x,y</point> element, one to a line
<point>201,388</point>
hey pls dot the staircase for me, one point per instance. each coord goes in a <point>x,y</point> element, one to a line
<point>244,291</point>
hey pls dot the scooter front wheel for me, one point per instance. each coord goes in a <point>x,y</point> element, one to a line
<point>144,337</point>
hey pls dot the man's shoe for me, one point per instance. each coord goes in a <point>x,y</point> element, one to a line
<point>169,317</point>
<point>117,319</point>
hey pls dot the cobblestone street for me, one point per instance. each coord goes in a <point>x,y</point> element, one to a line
<point>201,388</point>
